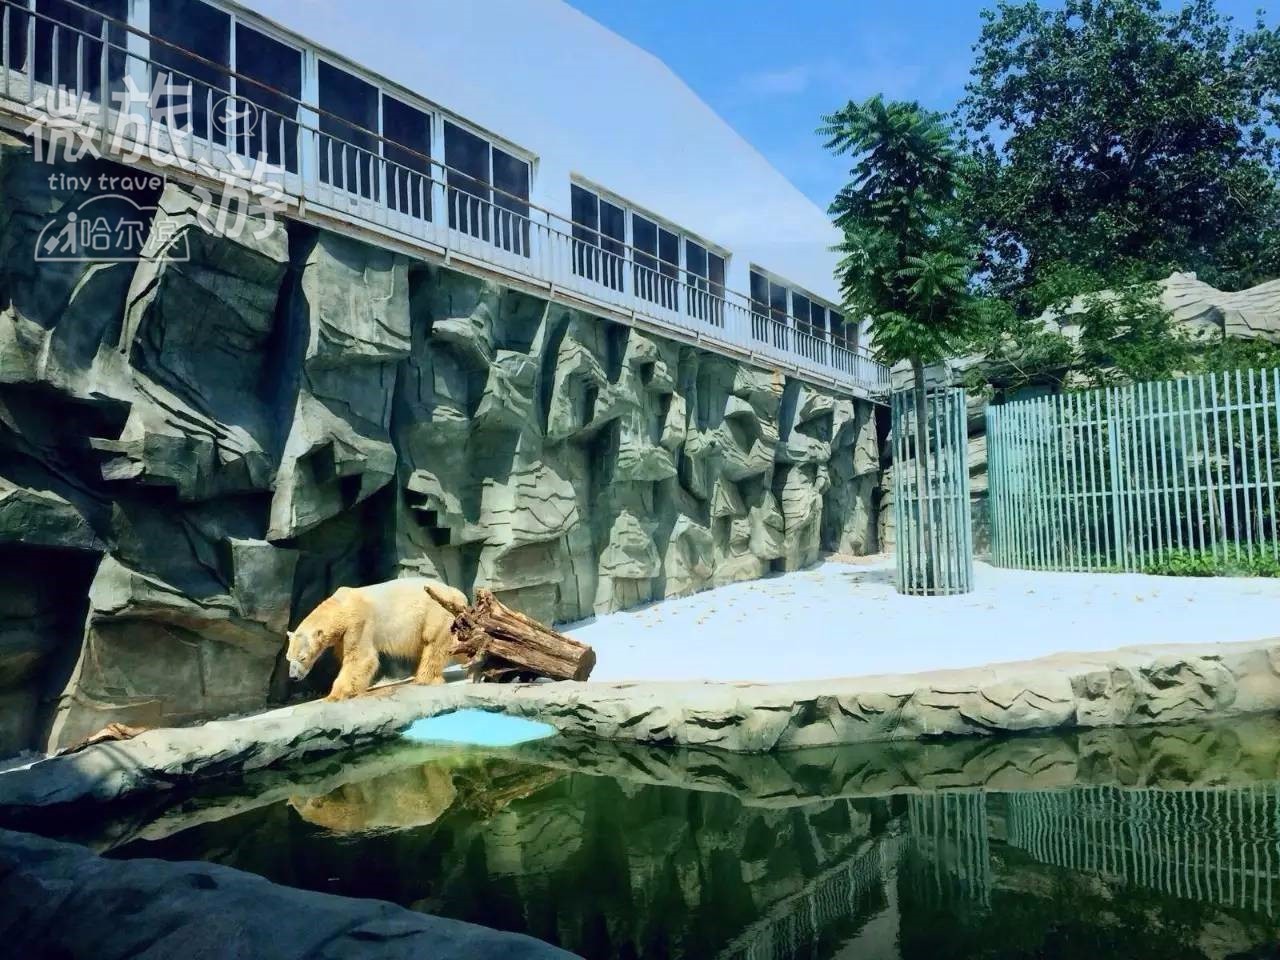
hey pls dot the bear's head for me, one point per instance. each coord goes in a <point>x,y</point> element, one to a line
<point>305,646</point>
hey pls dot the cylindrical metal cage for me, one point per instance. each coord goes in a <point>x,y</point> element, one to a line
<point>934,530</point>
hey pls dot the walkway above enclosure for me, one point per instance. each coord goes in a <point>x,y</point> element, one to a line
<point>135,96</point>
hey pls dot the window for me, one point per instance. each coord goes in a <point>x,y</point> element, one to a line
<point>704,277</point>
<point>264,124</point>
<point>599,232</point>
<point>475,207</point>
<point>800,310</point>
<point>759,306</point>
<point>778,296</point>
<point>79,46</point>
<point>190,84</point>
<point>511,198</point>
<point>695,266</point>
<point>843,334</point>
<point>467,157</point>
<point>600,253</point>
<point>406,148</point>
<point>194,63</point>
<point>657,262</point>
<point>668,268</point>
<point>715,286</point>
<point>348,125</point>
<point>778,308</point>
<point>818,320</point>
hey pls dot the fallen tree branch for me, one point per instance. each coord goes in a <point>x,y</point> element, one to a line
<point>502,645</point>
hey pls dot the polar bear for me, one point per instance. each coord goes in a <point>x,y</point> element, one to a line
<point>413,797</point>
<point>398,618</point>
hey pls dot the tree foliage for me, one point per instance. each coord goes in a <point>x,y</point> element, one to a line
<point>1124,140</point>
<point>905,261</point>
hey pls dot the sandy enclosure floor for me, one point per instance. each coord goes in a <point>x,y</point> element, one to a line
<point>843,619</point>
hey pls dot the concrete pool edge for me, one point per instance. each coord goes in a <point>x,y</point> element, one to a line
<point>1126,687</point>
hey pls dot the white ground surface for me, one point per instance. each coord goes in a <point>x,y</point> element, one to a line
<point>845,619</point>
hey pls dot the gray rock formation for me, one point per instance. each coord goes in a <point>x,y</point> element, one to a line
<point>196,449</point>
<point>1199,309</point>
<point>105,909</point>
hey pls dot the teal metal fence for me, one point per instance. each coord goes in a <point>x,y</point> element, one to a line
<point>1121,478</point>
<point>936,525</point>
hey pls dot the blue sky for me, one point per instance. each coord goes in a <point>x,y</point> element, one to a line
<point>771,68</point>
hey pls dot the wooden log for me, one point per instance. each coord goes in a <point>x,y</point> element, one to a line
<point>502,645</point>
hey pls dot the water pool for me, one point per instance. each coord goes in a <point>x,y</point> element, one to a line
<point>1159,842</point>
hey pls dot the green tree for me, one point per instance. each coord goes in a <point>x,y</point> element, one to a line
<point>1123,138</point>
<point>904,261</point>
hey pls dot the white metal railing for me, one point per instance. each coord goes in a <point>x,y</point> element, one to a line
<point>248,132</point>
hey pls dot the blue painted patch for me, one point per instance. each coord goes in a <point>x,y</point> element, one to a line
<point>477,727</point>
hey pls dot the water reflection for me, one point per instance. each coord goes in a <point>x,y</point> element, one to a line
<point>725,860</point>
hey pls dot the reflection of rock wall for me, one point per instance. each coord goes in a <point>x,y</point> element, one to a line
<point>603,867</point>
<point>193,452</point>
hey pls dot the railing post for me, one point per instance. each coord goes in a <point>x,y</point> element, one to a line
<point>104,75</point>
<point>138,56</point>
<point>308,123</point>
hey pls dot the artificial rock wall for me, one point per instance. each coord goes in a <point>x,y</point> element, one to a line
<point>193,453</point>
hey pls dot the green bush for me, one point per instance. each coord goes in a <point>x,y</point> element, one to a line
<point>1206,563</point>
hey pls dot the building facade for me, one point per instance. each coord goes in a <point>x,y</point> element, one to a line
<point>516,136</point>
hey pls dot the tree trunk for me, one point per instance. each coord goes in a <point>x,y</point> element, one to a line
<point>922,478</point>
<point>503,645</point>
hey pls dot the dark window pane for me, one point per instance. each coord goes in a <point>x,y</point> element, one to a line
<point>585,212</point>
<point>840,332</point>
<point>668,268</point>
<point>189,26</point>
<point>644,234</point>
<point>715,273</point>
<point>695,259</point>
<point>613,234</point>
<point>668,249</point>
<point>348,147</point>
<point>759,306</point>
<point>79,45</point>
<point>644,240</point>
<point>695,265</point>
<point>511,202</point>
<point>715,287</point>
<point>18,21</point>
<point>467,157</point>
<point>818,319</point>
<point>511,176</point>
<point>778,297</point>
<point>800,310</point>
<point>406,145</point>
<point>263,123</point>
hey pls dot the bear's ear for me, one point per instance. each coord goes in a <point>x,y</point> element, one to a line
<point>288,634</point>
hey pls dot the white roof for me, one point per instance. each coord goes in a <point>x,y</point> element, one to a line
<point>585,102</point>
